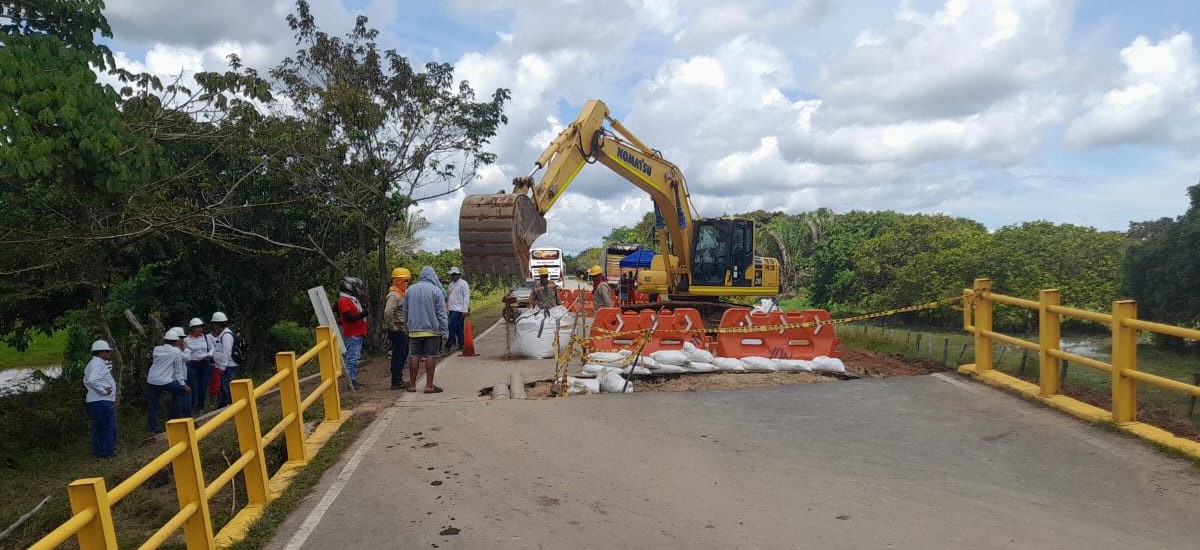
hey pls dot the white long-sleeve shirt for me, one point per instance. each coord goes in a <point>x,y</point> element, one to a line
<point>222,352</point>
<point>168,366</point>
<point>200,347</point>
<point>459,296</point>
<point>98,379</point>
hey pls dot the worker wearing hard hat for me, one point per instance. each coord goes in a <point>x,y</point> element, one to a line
<point>393,312</point>
<point>602,294</point>
<point>168,373</point>
<point>101,400</point>
<point>545,292</point>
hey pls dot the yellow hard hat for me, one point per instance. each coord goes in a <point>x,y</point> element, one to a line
<point>401,273</point>
<point>594,270</point>
<point>543,271</point>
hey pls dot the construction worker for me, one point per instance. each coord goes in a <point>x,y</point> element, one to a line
<point>545,293</point>
<point>602,294</point>
<point>397,333</point>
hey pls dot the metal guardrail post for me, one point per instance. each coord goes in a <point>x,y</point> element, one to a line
<point>289,398</point>
<point>983,324</point>
<point>1124,358</point>
<point>327,358</point>
<point>98,534</point>
<point>189,483</point>
<point>1049,335</point>
<point>249,435</point>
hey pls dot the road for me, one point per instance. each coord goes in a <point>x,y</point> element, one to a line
<point>908,463</point>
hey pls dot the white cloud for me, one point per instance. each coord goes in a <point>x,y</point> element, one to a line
<point>1155,100</point>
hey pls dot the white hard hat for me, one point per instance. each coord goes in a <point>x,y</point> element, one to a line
<point>171,335</point>
<point>219,317</point>
<point>195,322</point>
<point>101,345</point>
<point>455,271</point>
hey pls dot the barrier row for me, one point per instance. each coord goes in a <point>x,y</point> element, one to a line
<point>613,329</point>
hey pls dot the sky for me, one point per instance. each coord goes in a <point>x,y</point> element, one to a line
<point>1002,111</point>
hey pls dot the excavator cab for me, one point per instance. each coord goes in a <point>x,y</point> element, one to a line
<point>723,257</point>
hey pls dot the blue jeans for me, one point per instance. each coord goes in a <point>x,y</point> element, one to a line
<point>104,428</point>
<point>199,374</point>
<point>178,408</point>
<point>224,398</point>
<point>399,342</point>
<point>353,351</point>
<point>457,320</point>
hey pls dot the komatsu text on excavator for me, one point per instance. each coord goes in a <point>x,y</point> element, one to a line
<point>701,260</point>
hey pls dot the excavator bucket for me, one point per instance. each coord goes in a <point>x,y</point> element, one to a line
<point>495,233</point>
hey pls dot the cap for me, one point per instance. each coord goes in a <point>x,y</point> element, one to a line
<point>195,322</point>
<point>455,271</point>
<point>219,317</point>
<point>101,345</point>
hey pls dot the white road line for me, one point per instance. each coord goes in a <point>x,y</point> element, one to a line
<point>964,385</point>
<point>489,329</point>
<point>331,494</point>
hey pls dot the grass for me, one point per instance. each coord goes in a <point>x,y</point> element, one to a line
<point>43,350</point>
<point>486,307</point>
<point>1006,358</point>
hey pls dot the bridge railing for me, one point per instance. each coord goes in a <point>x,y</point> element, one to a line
<point>91,502</point>
<point>977,319</point>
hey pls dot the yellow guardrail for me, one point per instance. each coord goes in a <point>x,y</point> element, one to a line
<point>91,502</point>
<point>977,320</point>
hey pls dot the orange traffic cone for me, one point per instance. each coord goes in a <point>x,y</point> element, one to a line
<point>468,341</point>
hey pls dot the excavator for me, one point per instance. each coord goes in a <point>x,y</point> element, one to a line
<point>702,259</point>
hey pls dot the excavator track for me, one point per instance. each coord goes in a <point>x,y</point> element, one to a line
<point>495,233</point>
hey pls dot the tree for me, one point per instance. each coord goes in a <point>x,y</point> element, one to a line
<point>390,131</point>
<point>641,233</point>
<point>1162,267</point>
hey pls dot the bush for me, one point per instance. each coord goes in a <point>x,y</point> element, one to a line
<point>290,336</point>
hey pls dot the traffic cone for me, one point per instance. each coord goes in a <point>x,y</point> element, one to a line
<point>469,341</point>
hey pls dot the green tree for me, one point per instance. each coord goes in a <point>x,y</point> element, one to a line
<point>1162,267</point>
<point>394,135</point>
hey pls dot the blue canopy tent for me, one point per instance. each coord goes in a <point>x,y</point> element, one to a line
<point>639,259</point>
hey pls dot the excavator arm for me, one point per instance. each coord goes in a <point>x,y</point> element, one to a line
<point>492,246</point>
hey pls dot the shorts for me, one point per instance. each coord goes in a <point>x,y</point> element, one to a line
<point>424,346</point>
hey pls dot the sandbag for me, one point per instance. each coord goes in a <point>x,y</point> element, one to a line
<point>669,369</point>
<point>638,370</point>
<point>602,357</point>
<point>648,362</point>
<point>697,366</point>
<point>612,382</point>
<point>729,364</point>
<point>759,364</point>
<point>828,364</point>
<point>670,357</point>
<point>794,365</point>
<point>695,354</point>
<point>593,369</point>
<point>582,385</point>
<point>535,334</point>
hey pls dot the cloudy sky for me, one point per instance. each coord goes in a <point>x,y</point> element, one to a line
<point>999,110</point>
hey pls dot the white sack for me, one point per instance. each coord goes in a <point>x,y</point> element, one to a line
<point>670,357</point>
<point>794,365</point>
<point>759,364</point>
<point>729,364</point>
<point>535,335</point>
<point>582,385</point>
<point>612,382</point>
<point>639,370</point>
<point>560,313</point>
<point>648,362</point>
<point>765,305</point>
<point>828,364</point>
<point>592,369</point>
<point>697,366</point>
<point>602,357</point>
<point>669,369</point>
<point>695,354</point>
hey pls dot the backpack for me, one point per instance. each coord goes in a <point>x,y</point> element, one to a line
<point>241,348</point>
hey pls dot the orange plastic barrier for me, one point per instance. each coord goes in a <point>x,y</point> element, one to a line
<point>795,343</point>
<point>568,298</point>
<point>665,335</point>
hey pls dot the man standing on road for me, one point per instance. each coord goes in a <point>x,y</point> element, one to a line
<point>101,400</point>
<point>223,356</point>
<point>168,373</point>
<point>459,305</point>
<point>397,334</point>
<point>425,319</point>
<point>602,294</point>
<point>545,293</point>
<point>351,316</point>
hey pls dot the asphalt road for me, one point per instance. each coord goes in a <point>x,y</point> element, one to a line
<point>910,463</point>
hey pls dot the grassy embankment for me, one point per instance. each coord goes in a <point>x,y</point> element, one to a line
<point>42,351</point>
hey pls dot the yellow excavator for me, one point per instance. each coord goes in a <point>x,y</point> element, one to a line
<point>703,259</point>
